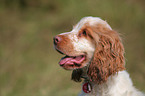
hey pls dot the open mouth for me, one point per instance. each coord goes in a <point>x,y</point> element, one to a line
<point>72,62</point>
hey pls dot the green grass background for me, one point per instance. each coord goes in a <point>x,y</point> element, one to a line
<point>28,61</point>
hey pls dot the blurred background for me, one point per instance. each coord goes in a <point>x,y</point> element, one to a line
<point>28,61</point>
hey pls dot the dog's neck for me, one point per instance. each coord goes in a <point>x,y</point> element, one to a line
<point>120,82</point>
<point>84,73</point>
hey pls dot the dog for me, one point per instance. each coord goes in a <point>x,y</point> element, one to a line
<point>95,53</point>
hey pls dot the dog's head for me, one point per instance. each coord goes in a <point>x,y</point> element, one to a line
<point>94,44</point>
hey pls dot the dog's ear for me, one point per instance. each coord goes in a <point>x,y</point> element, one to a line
<point>108,56</point>
<point>76,75</point>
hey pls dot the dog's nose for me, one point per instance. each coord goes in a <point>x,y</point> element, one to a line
<point>57,40</point>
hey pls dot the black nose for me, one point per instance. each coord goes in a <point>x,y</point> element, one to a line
<point>56,40</point>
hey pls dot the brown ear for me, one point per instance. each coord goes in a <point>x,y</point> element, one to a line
<point>76,75</point>
<point>108,56</point>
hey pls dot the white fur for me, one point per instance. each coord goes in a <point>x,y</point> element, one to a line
<point>91,21</point>
<point>82,45</point>
<point>118,85</point>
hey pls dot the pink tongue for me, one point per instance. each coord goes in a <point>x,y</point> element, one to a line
<point>71,60</point>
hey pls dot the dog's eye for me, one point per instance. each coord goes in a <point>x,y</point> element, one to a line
<point>84,33</point>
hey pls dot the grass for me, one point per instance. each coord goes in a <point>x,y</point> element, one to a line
<point>28,62</point>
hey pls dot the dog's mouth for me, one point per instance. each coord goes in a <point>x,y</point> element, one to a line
<point>72,62</point>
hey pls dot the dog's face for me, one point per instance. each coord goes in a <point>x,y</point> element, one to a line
<point>79,44</point>
<point>94,44</point>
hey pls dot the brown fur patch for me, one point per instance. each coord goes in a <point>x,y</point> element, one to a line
<point>89,33</point>
<point>108,56</point>
<point>65,45</point>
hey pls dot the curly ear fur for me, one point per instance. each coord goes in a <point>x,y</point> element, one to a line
<point>108,56</point>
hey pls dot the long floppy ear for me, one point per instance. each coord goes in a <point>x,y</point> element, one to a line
<point>108,56</point>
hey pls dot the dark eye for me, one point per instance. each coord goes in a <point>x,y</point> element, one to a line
<point>84,33</point>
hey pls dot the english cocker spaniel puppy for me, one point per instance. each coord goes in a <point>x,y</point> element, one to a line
<point>95,54</point>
